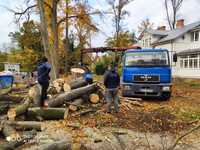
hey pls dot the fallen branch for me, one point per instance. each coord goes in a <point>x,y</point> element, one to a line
<point>84,112</point>
<point>182,136</point>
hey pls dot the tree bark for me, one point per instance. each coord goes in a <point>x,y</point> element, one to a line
<point>14,99</point>
<point>46,113</point>
<point>67,96</point>
<point>20,109</point>
<point>77,84</point>
<point>74,105</point>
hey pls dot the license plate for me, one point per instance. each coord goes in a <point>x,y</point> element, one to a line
<point>146,90</point>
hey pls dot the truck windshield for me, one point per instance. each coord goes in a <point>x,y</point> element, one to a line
<point>146,59</point>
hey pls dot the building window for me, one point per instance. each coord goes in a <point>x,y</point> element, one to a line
<point>195,36</point>
<point>190,61</point>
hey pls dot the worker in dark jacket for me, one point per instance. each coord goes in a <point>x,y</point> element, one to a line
<point>112,82</point>
<point>43,70</point>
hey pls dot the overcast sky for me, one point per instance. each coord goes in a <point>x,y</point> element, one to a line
<point>138,10</point>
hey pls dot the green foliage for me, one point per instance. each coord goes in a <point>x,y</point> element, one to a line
<point>29,36</point>
<point>3,58</point>
<point>30,46</point>
<point>27,58</point>
<point>100,68</point>
<point>125,39</point>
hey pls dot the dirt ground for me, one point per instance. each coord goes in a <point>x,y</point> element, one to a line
<point>152,120</point>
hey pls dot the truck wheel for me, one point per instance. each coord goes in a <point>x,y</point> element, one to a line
<point>166,96</point>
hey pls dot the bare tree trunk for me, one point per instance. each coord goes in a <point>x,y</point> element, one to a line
<point>55,37</point>
<point>43,26</point>
<point>67,35</point>
<point>45,39</point>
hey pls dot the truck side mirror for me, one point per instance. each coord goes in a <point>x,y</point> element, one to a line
<point>175,57</point>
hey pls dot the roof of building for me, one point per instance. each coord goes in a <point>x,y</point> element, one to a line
<point>158,32</point>
<point>189,51</point>
<point>173,34</point>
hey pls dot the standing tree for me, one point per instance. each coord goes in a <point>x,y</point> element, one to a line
<point>119,14</point>
<point>172,8</point>
<point>144,25</point>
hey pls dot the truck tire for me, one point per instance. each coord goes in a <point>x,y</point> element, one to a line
<point>166,96</point>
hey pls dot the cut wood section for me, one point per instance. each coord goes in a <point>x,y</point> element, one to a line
<point>94,98</point>
<point>35,94</point>
<point>74,105</point>
<point>66,87</point>
<point>10,133</point>
<point>77,70</point>
<point>26,125</point>
<point>67,96</point>
<point>18,110</point>
<point>46,113</point>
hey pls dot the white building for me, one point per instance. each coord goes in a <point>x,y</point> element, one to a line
<point>184,41</point>
<point>13,67</point>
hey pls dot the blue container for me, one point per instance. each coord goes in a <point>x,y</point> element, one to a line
<point>6,81</point>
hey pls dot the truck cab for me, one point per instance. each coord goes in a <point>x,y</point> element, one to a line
<point>146,73</point>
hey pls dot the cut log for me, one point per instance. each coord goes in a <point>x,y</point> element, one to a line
<point>12,145</point>
<point>77,84</point>
<point>35,94</point>
<point>66,87</point>
<point>26,125</point>
<point>15,99</point>
<point>67,96</point>
<point>10,133</point>
<point>94,98</point>
<point>46,113</point>
<point>74,105</point>
<point>20,109</point>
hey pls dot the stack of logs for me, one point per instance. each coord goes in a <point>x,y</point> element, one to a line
<point>75,98</point>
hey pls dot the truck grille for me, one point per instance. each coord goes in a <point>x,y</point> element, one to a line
<point>146,78</point>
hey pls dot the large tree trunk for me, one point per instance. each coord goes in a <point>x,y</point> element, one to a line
<point>67,96</point>
<point>26,125</point>
<point>45,39</point>
<point>20,109</point>
<point>77,84</point>
<point>44,28</point>
<point>46,113</point>
<point>14,99</point>
<point>54,51</point>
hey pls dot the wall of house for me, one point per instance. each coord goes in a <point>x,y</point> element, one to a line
<point>146,40</point>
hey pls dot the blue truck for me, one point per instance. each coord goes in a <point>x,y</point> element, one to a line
<point>146,73</point>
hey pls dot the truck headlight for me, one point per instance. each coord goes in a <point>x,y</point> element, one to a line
<point>127,87</point>
<point>166,88</point>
